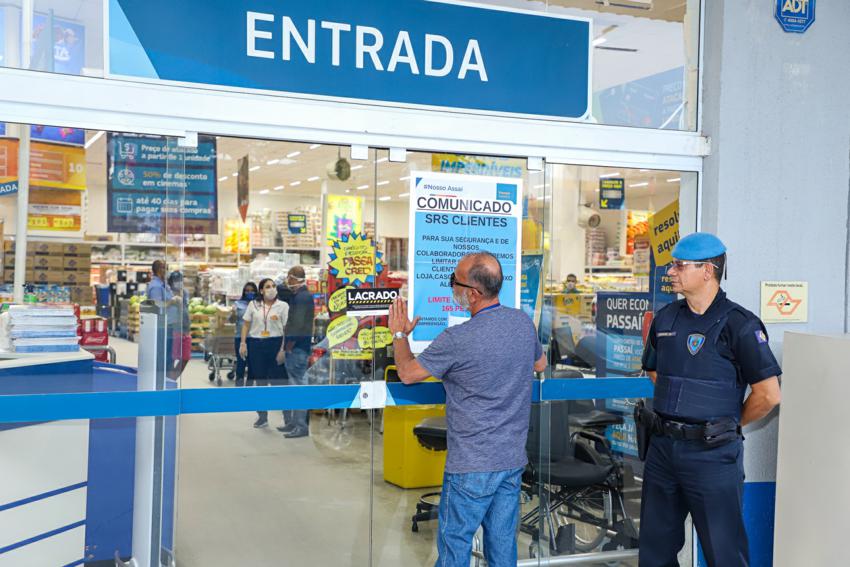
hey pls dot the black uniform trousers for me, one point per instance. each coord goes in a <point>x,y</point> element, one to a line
<point>682,477</point>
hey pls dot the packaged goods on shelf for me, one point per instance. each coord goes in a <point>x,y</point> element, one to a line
<point>595,246</point>
<point>39,328</point>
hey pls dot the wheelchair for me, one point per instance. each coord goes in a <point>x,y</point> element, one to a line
<point>581,484</point>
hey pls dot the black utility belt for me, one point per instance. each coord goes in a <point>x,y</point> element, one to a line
<point>713,433</point>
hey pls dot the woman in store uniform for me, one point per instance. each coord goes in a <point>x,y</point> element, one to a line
<point>262,340</point>
<point>249,294</point>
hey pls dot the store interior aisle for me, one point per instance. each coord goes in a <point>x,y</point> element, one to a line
<point>251,497</point>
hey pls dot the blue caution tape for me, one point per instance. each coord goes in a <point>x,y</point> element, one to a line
<point>105,405</point>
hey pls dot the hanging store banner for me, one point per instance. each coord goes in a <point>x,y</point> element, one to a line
<point>53,166</point>
<point>55,210</point>
<point>477,165</point>
<point>297,223</point>
<point>664,233</point>
<point>8,166</point>
<point>344,216</point>
<point>403,52</point>
<point>612,193</point>
<point>243,188</point>
<point>155,186</point>
<point>58,45</point>
<point>451,216</point>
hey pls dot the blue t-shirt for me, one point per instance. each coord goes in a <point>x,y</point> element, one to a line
<point>487,367</point>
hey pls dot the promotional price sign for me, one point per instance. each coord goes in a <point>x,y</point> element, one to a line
<point>452,216</point>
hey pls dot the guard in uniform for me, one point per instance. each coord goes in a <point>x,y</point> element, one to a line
<point>702,352</point>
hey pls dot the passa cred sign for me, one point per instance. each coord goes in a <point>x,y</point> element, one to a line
<point>409,52</point>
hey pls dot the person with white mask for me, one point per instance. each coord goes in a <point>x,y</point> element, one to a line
<point>262,345</point>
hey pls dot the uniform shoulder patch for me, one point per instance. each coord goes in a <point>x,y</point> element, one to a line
<point>761,337</point>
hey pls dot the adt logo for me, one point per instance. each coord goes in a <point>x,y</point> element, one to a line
<point>795,15</point>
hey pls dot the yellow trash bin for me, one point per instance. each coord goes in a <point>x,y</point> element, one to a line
<point>407,463</point>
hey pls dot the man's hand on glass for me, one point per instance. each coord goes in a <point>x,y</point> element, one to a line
<point>398,319</point>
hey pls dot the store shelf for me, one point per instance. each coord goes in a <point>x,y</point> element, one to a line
<point>608,269</point>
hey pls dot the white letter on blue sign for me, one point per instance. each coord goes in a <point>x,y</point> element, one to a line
<point>335,29</point>
<point>254,34</point>
<point>290,32</point>
<point>372,50</point>
<point>472,48</point>
<point>429,55</point>
<point>403,41</point>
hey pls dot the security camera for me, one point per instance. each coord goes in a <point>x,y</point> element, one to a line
<point>587,217</point>
<point>340,169</point>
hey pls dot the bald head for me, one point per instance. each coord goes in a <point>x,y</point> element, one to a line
<point>484,271</point>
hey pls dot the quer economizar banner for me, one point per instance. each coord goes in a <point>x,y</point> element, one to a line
<point>450,217</point>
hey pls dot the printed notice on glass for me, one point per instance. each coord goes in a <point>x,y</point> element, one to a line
<point>452,216</point>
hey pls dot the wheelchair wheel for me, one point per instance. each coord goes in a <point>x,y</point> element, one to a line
<point>591,504</point>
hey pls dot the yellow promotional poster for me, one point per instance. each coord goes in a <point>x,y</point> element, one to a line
<point>337,301</point>
<point>568,304</point>
<point>57,167</point>
<point>237,237</point>
<point>477,165</point>
<point>351,354</point>
<point>344,216</point>
<point>55,210</point>
<point>8,166</point>
<point>664,233</point>
<point>340,330</point>
<point>355,260</point>
<point>379,337</point>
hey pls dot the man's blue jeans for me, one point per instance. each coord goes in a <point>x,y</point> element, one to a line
<point>469,500</point>
<point>296,369</point>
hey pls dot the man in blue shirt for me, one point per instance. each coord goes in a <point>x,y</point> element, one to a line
<point>487,366</point>
<point>158,290</point>
<point>702,353</point>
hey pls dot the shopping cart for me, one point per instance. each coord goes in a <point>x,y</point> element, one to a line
<point>220,353</point>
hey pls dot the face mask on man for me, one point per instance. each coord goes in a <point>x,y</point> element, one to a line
<point>294,283</point>
<point>460,299</point>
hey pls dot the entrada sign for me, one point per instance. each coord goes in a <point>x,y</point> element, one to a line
<point>409,52</point>
<point>795,15</point>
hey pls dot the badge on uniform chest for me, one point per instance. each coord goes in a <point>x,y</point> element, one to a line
<point>695,342</point>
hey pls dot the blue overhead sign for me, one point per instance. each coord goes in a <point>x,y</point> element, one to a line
<point>409,52</point>
<point>795,15</point>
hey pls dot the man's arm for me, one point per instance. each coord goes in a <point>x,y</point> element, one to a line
<point>409,369</point>
<point>765,396</point>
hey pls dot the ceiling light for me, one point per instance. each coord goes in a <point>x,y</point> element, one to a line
<point>361,187</point>
<point>348,190</point>
<point>382,160</point>
<point>314,146</point>
<point>273,162</point>
<point>278,188</point>
<point>295,184</point>
<point>404,194</point>
<point>382,183</point>
<point>643,170</point>
<point>386,198</point>
<point>674,179</point>
<point>607,175</point>
<point>599,41</point>
<point>235,174</point>
<point>314,178</point>
<point>355,167</point>
<point>405,178</point>
<point>255,168</point>
<point>293,154</point>
<point>541,186</point>
<point>644,184</point>
<point>223,178</point>
<point>264,191</point>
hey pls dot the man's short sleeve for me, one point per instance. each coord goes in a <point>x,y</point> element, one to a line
<point>649,360</point>
<point>753,354</point>
<point>440,355</point>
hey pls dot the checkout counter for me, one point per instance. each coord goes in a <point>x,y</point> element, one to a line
<point>87,492</point>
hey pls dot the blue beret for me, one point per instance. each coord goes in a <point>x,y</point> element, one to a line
<point>698,246</point>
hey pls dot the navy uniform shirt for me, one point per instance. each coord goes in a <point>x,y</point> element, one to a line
<point>744,334</point>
